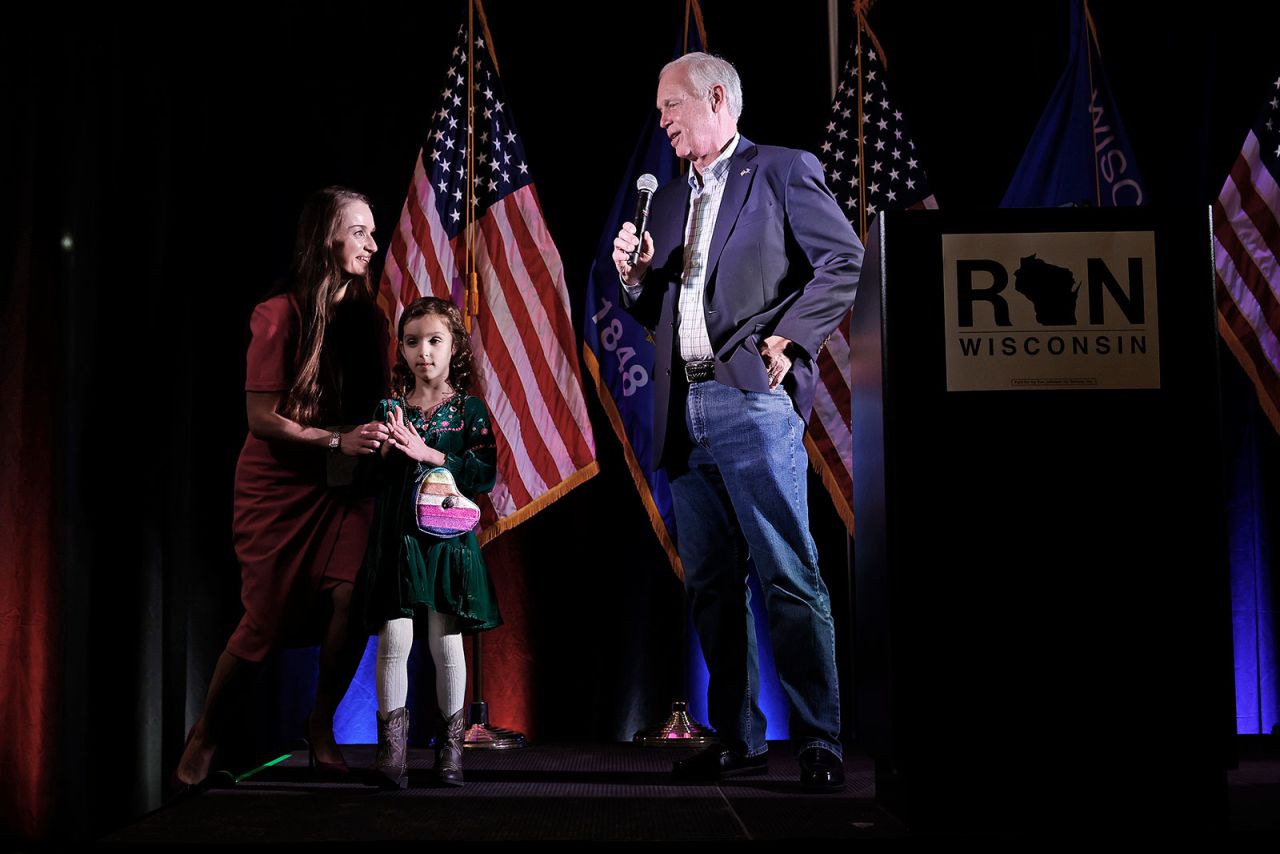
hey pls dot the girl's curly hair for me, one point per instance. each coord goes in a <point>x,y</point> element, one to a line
<point>462,374</point>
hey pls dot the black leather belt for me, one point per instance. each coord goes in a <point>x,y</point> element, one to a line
<point>698,372</point>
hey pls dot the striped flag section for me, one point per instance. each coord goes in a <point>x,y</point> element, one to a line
<point>1247,257</point>
<point>472,230</point>
<point>871,165</point>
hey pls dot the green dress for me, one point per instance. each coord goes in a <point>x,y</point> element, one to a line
<point>406,571</point>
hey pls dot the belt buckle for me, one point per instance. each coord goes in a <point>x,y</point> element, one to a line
<point>696,372</point>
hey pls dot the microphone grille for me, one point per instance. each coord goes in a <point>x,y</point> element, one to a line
<point>647,182</point>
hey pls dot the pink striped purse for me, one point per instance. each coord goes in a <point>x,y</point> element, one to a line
<point>442,510</point>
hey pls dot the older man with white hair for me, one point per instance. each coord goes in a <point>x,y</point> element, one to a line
<point>744,271</point>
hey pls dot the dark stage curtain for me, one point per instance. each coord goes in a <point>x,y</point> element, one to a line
<point>30,429</point>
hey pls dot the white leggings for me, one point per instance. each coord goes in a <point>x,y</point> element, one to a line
<point>445,642</point>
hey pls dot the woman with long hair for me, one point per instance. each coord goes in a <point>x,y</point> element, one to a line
<point>316,361</point>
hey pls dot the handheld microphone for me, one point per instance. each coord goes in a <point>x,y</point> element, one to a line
<point>645,185</point>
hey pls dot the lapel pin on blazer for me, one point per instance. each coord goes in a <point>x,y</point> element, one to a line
<point>744,172</point>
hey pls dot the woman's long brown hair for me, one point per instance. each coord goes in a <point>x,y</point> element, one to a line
<point>316,275</point>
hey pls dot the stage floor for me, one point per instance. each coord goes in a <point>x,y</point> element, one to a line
<point>572,792</point>
<point>611,792</point>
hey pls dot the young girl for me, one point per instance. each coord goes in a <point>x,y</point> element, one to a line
<point>434,420</point>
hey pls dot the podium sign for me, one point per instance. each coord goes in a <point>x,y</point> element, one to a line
<point>1050,310</point>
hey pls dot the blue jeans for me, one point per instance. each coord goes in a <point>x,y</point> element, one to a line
<point>746,495</point>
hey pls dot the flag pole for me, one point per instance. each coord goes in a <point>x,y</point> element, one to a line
<point>860,8</point>
<point>1090,36</point>
<point>679,729</point>
<point>471,300</point>
<point>480,735</point>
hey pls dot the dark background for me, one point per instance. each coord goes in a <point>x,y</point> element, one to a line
<point>174,147</point>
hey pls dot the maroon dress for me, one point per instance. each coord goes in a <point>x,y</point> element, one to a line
<point>296,536</point>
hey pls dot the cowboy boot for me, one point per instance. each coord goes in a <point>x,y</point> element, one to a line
<point>449,735</point>
<point>390,765</point>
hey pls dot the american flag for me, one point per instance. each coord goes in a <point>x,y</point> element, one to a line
<point>521,330</point>
<point>1247,256</point>
<point>871,165</point>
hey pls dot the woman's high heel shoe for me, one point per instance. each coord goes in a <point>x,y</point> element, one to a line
<point>178,790</point>
<point>338,769</point>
